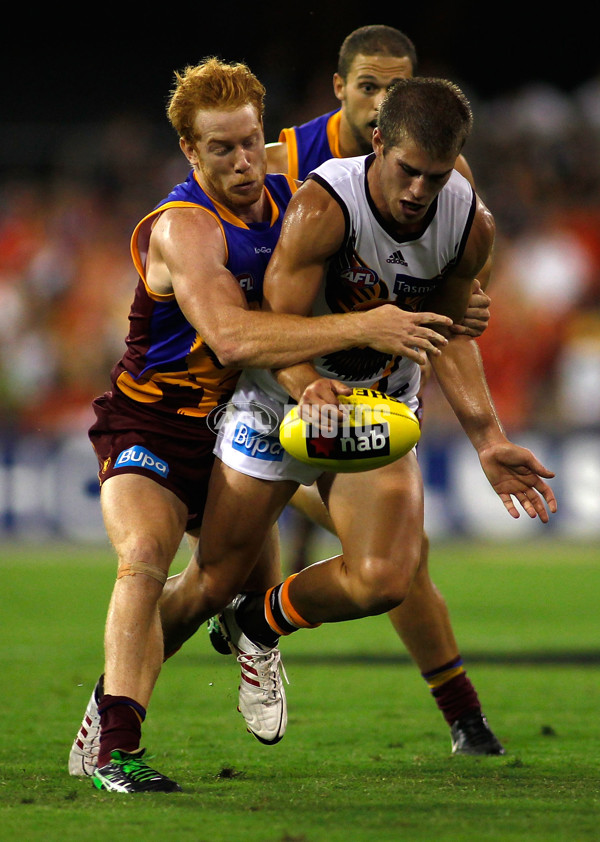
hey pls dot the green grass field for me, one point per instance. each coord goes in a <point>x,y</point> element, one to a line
<point>366,756</point>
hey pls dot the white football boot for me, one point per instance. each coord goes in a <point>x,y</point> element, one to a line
<point>83,759</point>
<point>262,700</point>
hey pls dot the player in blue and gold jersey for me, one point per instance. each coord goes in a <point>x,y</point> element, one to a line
<point>194,323</point>
<point>167,363</point>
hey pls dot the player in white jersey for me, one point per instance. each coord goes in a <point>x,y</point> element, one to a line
<point>366,215</point>
<point>370,60</point>
<point>373,267</point>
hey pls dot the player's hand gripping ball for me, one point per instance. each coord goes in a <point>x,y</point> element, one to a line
<point>374,431</point>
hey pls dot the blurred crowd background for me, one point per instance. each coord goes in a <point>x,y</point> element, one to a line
<point>72,192</point>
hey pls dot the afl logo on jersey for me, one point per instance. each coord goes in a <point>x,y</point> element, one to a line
<point>360,276</point>
<point>246,281</point>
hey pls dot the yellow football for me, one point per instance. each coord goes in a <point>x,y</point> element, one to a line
<point>375,430</point>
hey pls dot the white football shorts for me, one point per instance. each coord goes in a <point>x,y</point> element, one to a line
<point>248,438</point>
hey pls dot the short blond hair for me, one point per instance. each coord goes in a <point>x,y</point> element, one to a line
<point>212,84</point>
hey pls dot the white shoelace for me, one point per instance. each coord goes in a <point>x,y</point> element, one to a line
<point>266,667</point>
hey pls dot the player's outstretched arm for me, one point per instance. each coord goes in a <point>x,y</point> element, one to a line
<point>515,472</point>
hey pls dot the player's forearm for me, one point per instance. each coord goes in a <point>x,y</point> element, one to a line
<point>460,373</point>
<point>255,339</point>
<point>296,378</point>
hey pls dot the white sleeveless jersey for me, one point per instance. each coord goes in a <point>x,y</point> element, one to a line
<point>374,266</point>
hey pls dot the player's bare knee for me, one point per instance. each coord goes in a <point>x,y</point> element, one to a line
<point>380,584</point>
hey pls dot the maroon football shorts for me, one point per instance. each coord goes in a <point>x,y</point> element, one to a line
<point>177,453</point>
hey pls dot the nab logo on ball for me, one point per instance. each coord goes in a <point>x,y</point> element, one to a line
<point>355,443</point>
<point>374,430</point>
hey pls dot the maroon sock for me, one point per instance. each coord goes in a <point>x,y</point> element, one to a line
<point>120,726</point>
<point>455,697</point>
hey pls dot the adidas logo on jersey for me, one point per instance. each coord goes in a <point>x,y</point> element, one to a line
<point>396,257</point>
